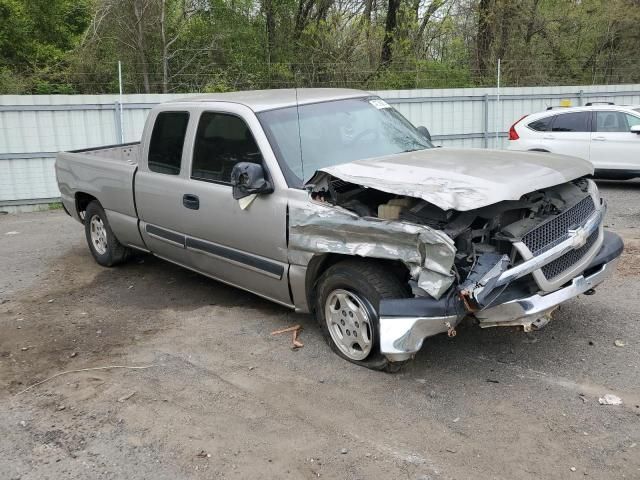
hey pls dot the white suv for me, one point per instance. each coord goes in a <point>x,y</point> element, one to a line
<point>606,134</point>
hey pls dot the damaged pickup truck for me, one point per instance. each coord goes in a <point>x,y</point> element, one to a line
<point>330,202</point>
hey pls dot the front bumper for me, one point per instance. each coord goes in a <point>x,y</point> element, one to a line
<point>405,323</point>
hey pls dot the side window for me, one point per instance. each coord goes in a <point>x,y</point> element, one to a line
<point>632,120</point>
<point>571,122</point>
<point>167,140</point>
<point>222,140</point>
<point>611,122</point>
<point>542,124</point>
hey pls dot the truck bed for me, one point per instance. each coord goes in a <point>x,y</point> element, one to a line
<point>127,152</point>
<point>105,173</point>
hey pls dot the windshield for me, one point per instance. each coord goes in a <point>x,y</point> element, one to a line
<point>337,132</point>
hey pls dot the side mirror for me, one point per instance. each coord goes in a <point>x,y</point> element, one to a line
<point>425,132</point>
<point>248,178</point>
<point>635,129</point>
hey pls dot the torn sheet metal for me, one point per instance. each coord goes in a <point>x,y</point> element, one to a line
<point>460,179</point>
<point>480,283</point>
<point>428,253</point>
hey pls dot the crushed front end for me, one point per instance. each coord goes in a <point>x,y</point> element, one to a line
<point>505,264</point>
<point>516,262</point>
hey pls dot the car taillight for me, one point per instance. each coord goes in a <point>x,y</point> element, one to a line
<point>513,135</point>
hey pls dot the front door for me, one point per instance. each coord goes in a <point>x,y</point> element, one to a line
<point>244,247</point>
<point>613,146</point>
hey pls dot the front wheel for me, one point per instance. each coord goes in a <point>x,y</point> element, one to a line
<point>348,297</point>
<point>104,246</point>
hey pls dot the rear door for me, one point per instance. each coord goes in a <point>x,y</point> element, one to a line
<point>243,247</point>
<point>613,146</point>
<point>160,185</point>
<point>570,134</point>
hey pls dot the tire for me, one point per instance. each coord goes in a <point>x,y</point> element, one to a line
<point>356,287</point>
<point>103,244</point>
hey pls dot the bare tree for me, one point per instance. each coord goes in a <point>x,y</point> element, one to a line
<point>124,22</point>
<point>390,26</point>
<point>179,21</point>
<point>303,14</point>
<point>433,7</point>
<point>140,8</point>
<point>484,36</point>
<point>270,22</point>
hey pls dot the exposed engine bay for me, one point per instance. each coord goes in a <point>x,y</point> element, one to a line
<point>484,239</point>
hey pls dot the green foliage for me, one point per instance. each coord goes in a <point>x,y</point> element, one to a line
<point>425,74</point>
<point>12,83</point>
<point>14,30</point>
<point>35,38</point>
<point>73,46</point>
<point>47,88</point>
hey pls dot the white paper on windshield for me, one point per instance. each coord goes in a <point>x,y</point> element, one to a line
<point>246,201</point>
<point>379,103</point>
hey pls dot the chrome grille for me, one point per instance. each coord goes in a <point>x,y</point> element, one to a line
<point>566,261</point>
<point>556,229</point>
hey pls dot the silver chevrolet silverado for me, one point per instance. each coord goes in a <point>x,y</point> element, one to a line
<point>329,201</point>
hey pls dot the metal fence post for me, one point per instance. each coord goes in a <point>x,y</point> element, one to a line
<point>497,112</point>
<point>580,95</point>
<point>118,120</point>
<point>485,121</point>
<point>121,102</point>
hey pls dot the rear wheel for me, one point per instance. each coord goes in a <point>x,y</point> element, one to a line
<point>104,246</point>
<point>347,302</point>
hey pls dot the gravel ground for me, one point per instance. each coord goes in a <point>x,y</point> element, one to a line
<point>220,397</point>
<point>623,199</point>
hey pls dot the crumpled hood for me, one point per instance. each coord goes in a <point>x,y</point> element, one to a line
<point>460,179</point>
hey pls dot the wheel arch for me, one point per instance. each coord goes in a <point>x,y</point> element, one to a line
<point>321,262</point>
<point>82,200</point>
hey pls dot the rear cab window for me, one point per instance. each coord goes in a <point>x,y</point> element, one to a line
<point>167,142</point>
<point>222,141</point>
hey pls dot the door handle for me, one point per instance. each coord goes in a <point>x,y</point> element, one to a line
<point>599,139</point>
<point>191,201</point>
<point>548,137</point>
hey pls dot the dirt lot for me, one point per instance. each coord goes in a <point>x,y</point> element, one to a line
<point>219,397</point>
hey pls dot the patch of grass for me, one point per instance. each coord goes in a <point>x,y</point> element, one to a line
<point>54,206</point>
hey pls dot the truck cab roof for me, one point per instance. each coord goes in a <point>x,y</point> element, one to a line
<point>263,100</point>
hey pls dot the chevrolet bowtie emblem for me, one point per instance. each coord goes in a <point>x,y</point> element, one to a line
<point>579,237</point>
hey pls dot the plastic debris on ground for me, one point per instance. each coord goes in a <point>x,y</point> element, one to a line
<point>610,399</point>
